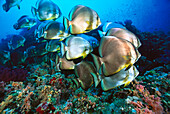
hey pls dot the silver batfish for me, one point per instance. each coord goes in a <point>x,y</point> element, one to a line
<point>25,22</point>
<point>46,10</point>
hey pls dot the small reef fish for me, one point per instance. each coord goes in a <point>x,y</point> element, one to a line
<point>114,55</point>
<point>53,46</point>
<point>11,3</point>
<point>16,41</point>
<point>25,22</point>
<point>75,47</point>
<point>82,19</point>
<point>124,34</point>
<point>54,30</point>
<point>46,10</point>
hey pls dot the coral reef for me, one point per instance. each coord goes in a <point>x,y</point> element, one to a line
<point>56,93</point>
<point>42,88</point>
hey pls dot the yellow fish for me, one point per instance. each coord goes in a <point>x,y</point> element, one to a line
<point>82,19</point>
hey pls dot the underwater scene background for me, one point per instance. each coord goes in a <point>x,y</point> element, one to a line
<point>84,56</point>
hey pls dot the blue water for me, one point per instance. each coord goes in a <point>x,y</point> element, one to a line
<point>150,15</point>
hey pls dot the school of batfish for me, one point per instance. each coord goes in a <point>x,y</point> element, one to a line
<point>98,55</point>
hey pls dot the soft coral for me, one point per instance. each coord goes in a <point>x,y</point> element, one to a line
<point>150,104</point>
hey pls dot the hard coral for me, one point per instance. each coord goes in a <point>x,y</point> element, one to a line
<point>8,74</point>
